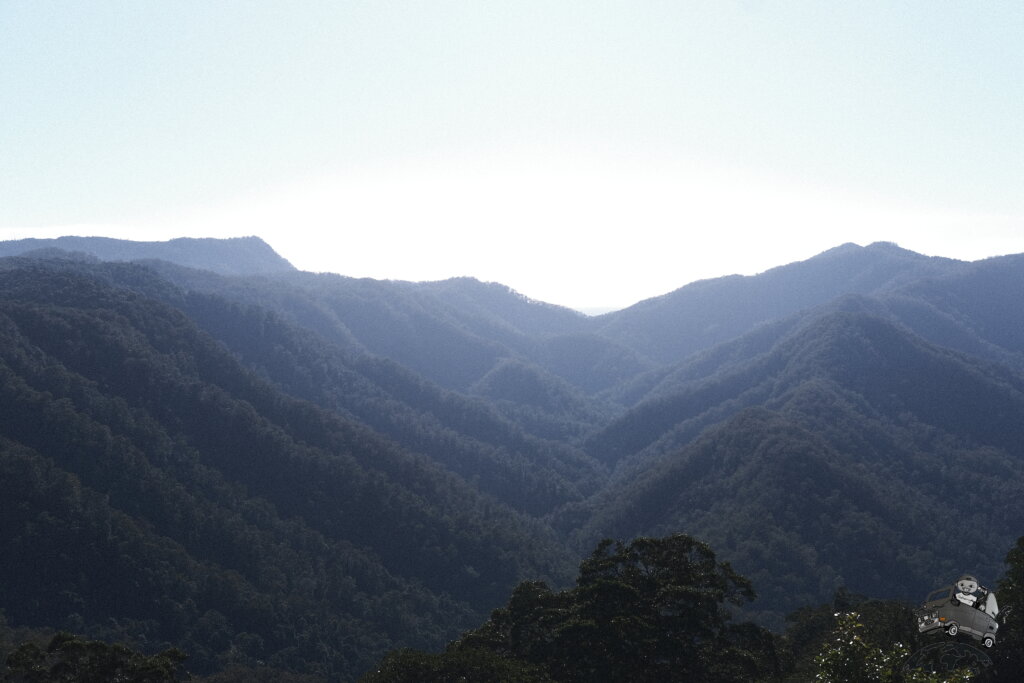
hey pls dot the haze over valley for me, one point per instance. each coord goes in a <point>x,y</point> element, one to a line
<point>532,342</point>
<point>205,447</point>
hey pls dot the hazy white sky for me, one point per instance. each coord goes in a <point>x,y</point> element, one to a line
<point>587,153</point>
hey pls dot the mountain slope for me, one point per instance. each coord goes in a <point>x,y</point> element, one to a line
<point>465,436</point>
<point>234,256</point>
<point>977,309</point>
<point>462,434</point>
<point>271,460</point>
<point>869,459</point>
<point>410,325</point>
<point>242,488</point>
<point>670,327</point>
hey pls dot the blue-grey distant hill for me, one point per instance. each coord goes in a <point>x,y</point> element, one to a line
<point>233,256</point>
<point>203,446</point>
<point>699,315</point>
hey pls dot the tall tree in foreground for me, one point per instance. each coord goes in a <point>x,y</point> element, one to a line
<point>1008,654</point>
<point>656,609</point>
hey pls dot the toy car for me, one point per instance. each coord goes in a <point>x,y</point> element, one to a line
<point>941,610</point>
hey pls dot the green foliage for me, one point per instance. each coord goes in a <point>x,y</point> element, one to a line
<point>851,656</point>
<point>463,435</point>
<point>158,491</point>
<point>293,472</point>
<point>1008,653</point>
<point>455,665</point>
<point>650,610</point>
<point>885,622</point>
<point>68,658</point>
<point>826,462</point>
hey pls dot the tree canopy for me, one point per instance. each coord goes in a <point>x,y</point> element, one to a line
<point>654,609</point>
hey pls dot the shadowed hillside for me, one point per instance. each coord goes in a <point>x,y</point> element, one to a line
<point>203,449</point>
<point>156,484</point>
<point>852,454</point>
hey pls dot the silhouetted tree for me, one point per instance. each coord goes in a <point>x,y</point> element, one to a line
<point>1008,654</point>
<point>655,609</point>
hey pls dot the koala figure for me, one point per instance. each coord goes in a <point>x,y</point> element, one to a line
<point>966,587</point>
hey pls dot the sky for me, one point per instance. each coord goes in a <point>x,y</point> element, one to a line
<point>588,153</point>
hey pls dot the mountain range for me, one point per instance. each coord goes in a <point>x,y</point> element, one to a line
<point>202,446</point>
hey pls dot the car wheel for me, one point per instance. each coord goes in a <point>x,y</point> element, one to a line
<point>987,641</point>
<point>952,629</point>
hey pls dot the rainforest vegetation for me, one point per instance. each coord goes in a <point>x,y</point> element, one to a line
<point>297,476</point>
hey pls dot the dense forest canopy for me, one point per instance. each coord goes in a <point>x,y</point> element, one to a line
<point>203,449</point>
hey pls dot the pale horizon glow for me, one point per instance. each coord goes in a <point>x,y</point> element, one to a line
<point>613,218</point>
<point>589,155</point>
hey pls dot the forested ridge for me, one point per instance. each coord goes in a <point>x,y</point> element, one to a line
<point>153,476</point>
<point>278,471</point>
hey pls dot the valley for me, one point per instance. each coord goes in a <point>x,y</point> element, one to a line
<point>203,447</point>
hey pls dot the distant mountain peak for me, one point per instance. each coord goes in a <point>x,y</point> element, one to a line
<point>703,313</point>
<point>892,246</point>
<point>843,248</point>
<point>230,256</point>
<point>881,247</point>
